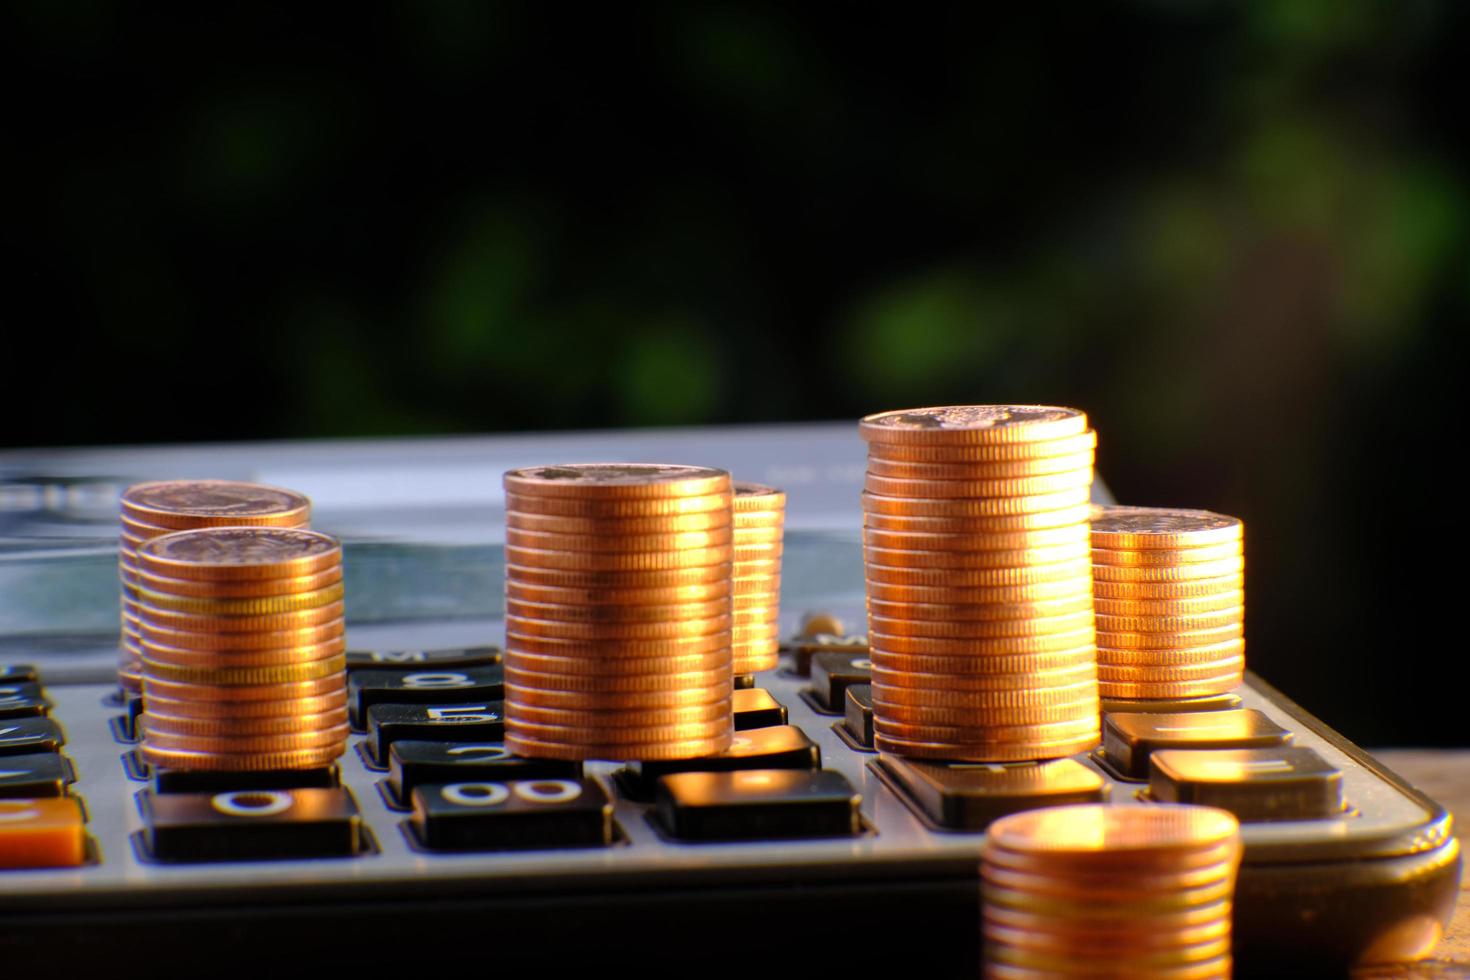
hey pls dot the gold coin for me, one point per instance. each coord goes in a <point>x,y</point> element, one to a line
<point>609,684</point>
<point>1179,640</point>
<point>240,553</point>
<point>1165,690</point>
<point>187,504</point>
<point>261,588</point>
<point>1070,554</point>
<point>248,712</point>
<point>618,526</point>
<point>618,580</point>
<point>1184,589</point>
<point>970,425</point>
<point>1008,716</point>
<point>981,673</point>
<point>177,657</point>
<point>682,663</point>
<point>1028,506</point>
<point>1140,528</point>
<point>1084,442</point>
<point>617,599</point>
<point>983,751</point>
<point>603,632</point>
<point>1014,487</point>
<point>614,719</point>
<point>610,649</point>
<point>1165,557</point>
<point>617,481</point>
<point>231,676</point>
<point>267,605</point>
<point>879,465</point>
<point>1066,575</point>
<point>1076,696</point>
<point>620,508</point>
<point>218,727</point>
<point>994,529</point>
<point>531,748</point>
<point>758,535</point>
<point>619,734</point>
<point>278,694</point>
<point>758,497</point>
<point>1215,670</point>
<point>1071,535</point>
<point>982,646</point>
<point>263,640</point>
<point>1172,573</point>
<point>1222,602</point>
<point>264,622</point>
<point>679,541</point>
<point>160,737</point>
<point>600,561</point>
<point>554,697</point>
<point>975,629</point>
<point>1019,613</point>
<point>618,615</point>
<point>979,595</point>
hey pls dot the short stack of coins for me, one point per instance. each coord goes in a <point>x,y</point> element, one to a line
<point>1110,891</point>
<point>1169,591</point>
<point>979,585</point>
<point>760,517</point>
<point>618,612</point>
<point>163,507</point>
<point>244,649</point>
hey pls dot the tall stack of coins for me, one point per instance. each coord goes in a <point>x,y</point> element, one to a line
<point>1110,891</point>
<point>618,611</point>
<point>1170,600</point>
<point>979,585</point>
<point>244,650</point>
<point>152,509</point>
<point>760,516</point>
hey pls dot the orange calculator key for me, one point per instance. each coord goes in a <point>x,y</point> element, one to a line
<point>41,833</point>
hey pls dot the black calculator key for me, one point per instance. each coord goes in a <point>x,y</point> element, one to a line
<point>132,710</point>
<point>512,814</point>
<point>22,700</point>
<point>41,774</point>
<point>857,715</point>
<point>778,747</point>
<point>413,763</point>
<point>833,673</point>
<point>21,736</point>
<point>208,781</point>
<point>447,659</point>
<point>1285,783</point>
<point>969,795</point>
<point>1213,702</point>
<point>478,721</point>
<point>757,804</point>
<point>1129,738</point>
<point>255,824</point>
<point>16,673</point>
<point>803,650</point>
<point>366,688</point>
<point>744,681</point>
<point>756,708</point>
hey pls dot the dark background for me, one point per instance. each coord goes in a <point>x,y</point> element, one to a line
<point>1235,233</point>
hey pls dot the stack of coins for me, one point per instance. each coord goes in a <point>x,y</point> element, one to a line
<point>979,585</point>
<point>152,509</point>
<point>1170,600</point>
<point>244,650</point>
<point>1110,891</point>
<point>618,580</point>
<point>760,515</point>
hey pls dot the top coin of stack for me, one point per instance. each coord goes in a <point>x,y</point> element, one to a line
<point>163,507</point>
<point>1168,588</point>
<point>979,584</point>
<point>1110,891</point>
<point>760,514</point>
<point>617,618</point>
<point>244,650</point>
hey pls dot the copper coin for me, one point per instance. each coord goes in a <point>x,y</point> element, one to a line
<point>754,658</point>
<point>263,640</point>
<point>249,711</point>
<point>980,595</point>
<point>613,599</point>
<point>764,520</point>
<point>613,667</point>
<point>1167,690</point>
<point>1067,573</point>
<point>601,632</point>
<point>329,597</point>
<point>619,508</point>
<point>185,504</point>
<point>1165,557</point>
<point>977,672</point>
<point>1085,724</point>
<point>880,465</point>
<point>1228,659</point>
<point>919,716</point>
<point>1027,506</point>
<point>242,761</point>
<point>253,589</point>
<point>1042,693</point>
<point>1109,918</point>
<point>264,622</point>
<point>278,693</point>
<point>1171,573</point>
<point>1084,442</point>
<point>969,425</point>
<point>1002,541</point>
<point>1139,964</point>
<point>618,526</point>
<point>1183,623</point>
<point>1214,653</point>
<point>982,646</point>
<point>1033,873</point>
<point>1068,554</point>
<point>1184,589</point>
<point>131,542</point>
<point>1009,488</point>
<point>1075,905</point>
<point>141,531</point>
<point>1119,680</point>
<point>745,535</point>
<point>600,561</point>
<point>761,585</point>
<point>982,751</point>
<point>767,568</point>
<point>603,683</point>
<point>283,657</point>
<point>1212,970</point>
<point>620,543</point>
<point>1195,606</point>
<point>1138,528</point>
<point>581,579</point>
<point>893,519</point>
<point>617,614</point>
<point>600,720</point>
<point>758,497</point>
<point>530,748</point>
<point>235,554</point>
<point>621,649</point>
<point>159,734</point>
<point>230,676</point>
<point>617,481</point>
<point>620,735</point>
<point>1018,613</point>
<point>750,612</point>
<point>755,632</point>
<point>188,725</point>
<point>554,697</point>
<point>970,628</point>
<point>1183,640</point>
<point>745,554</point>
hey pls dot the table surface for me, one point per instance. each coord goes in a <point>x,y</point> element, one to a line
<point>1444,774</point>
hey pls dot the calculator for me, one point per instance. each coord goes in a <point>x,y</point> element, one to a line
<point>429,845</point>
